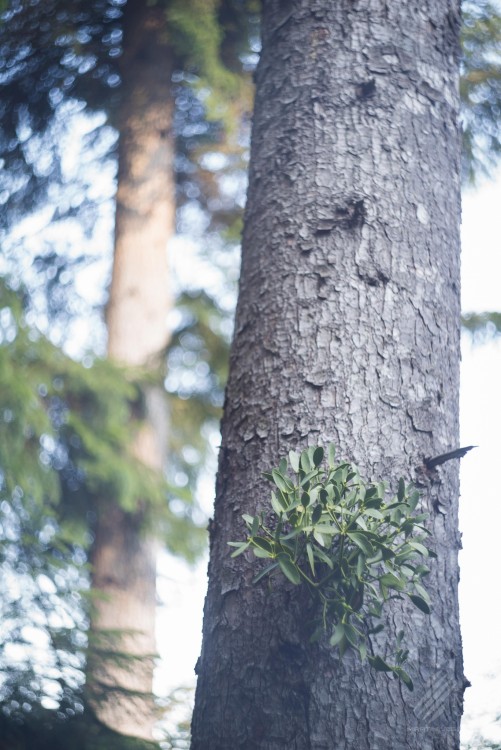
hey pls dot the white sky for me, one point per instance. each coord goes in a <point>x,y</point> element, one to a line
<point>183,590</point>
<point>480,503</point>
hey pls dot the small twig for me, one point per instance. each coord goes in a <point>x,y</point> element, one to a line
<point>431,463</point>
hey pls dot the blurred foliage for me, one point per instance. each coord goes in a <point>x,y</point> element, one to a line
<point>65,434</point>
<point>66,428</point>
<point>480,743</point>
<point>57,55</point>
<point>43,611</point>
<point>176,722</point>
<point>61,75</point>
<point>197,29</point>
<point>197,362</point>
<point>482,326</point>
<point>480,87</point>
<point>60,54</point>
<point>38,730</point>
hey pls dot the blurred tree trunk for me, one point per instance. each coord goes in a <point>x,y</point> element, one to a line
<point>123,556</point>
<point>347,330</point>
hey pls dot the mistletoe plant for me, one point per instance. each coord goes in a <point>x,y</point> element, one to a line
<point>353,548</point>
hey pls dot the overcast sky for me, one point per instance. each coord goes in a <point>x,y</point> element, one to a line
<point>480,503</point>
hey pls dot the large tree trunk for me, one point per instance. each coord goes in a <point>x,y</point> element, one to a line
<point>347,330</point>
<point>123,558</point>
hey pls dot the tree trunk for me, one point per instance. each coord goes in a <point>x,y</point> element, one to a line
<point>123,558</point>
<point>347,330</point>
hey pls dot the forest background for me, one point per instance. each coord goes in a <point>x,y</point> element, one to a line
<point>56,265</point>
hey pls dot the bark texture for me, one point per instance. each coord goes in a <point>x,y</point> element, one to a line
<point>123,558</point>
<point>347,330</point>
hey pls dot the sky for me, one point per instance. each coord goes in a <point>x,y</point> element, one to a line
<point>182,590</point>
<point>480,502</point>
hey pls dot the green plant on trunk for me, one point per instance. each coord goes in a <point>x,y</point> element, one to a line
<point>353,548</point>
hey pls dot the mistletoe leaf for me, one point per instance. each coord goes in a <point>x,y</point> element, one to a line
<point>289,570</point>
<point>351,548</point>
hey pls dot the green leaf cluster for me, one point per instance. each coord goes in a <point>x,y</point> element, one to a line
<point>351,545</point>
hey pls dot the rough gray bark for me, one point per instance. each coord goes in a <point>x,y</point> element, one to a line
<point>347,330</point>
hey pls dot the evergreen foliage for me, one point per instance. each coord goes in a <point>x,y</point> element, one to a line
<point>67,427</point>
<point>197,362</point>
<point>482,326</point>
<point>481,743</point>
<point>64,54</point>
<point>480,87</point>
<point>65,433</point>
<point>39,731</point>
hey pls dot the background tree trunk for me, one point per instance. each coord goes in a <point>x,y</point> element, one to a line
<point>123,557</point>
<point>347,330</point>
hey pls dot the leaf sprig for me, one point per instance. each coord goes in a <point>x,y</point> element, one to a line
<point>353,548</point>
